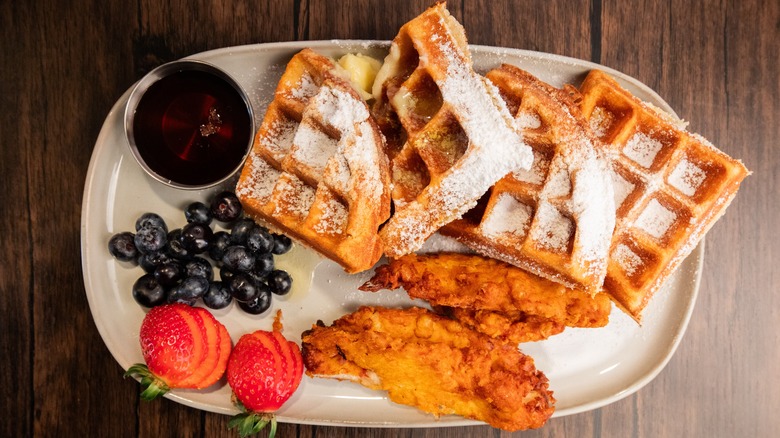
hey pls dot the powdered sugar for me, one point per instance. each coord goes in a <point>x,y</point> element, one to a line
<point>312,147</point>
<point>642,149</point>
<point>296,197</point>
<point>600,121</point>
<point>304,89</point>
<point>527,120</point>
<point>622,188</point>
<point>507,216</point>
<point>686,177</point>
<point>339,108</point>
<point>260,185</point>
<point>495,148</point>
<point>279,138</point>
<point>333,219</point>
<point>627,259</point>
<point>551,229</point>
<point>537,173</point>
<point>655,219</point>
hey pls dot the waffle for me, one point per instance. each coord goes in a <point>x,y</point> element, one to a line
<point>670,187</point>
<point>555,220</point>
<point>317,170</point>
<point>456,135</point>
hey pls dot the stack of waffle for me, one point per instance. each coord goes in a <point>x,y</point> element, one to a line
<point>590,188</point>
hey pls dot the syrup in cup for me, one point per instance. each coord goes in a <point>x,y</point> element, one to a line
<point>189,124</point>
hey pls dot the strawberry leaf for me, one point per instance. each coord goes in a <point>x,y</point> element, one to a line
<point>250,423</point>
<point>151,386</point>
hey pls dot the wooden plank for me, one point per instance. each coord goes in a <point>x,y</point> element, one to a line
<point>65,93</point>
<point>556,27</point>
<point>20,98</point>
<point>357,19</point>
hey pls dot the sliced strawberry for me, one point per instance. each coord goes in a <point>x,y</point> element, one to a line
<point>167,343</point>
<point>199,343</point>
<point>253,372</point>
<point>211,338</point>
<point>225,347</point>
<point>183,347</point>
<point>264,370</point>
<point>297,366</point>
<point>288,377</point>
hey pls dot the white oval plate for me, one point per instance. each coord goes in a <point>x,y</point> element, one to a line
<point>587,368</point>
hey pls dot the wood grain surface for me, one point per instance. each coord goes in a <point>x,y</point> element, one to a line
<point>64,63</point>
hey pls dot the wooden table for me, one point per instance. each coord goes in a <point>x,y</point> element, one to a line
<point>64,64</point>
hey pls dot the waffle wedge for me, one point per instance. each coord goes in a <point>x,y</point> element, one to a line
<point>452,136</point>
<point>317,170</point>
<point>670,187</point>
<point>556,219</point>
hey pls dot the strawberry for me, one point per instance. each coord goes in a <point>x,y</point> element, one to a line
<point>183,347</point>
<point>264,370</point>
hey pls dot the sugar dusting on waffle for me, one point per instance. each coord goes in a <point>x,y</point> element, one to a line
<point>670,187</point>
<point>317,171</point>
<point>494,147</point>
<point>556,219</point>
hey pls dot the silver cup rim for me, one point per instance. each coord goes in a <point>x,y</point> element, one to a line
<point>165,70</point>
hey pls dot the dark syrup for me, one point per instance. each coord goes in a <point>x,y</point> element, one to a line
<point>192,127</point>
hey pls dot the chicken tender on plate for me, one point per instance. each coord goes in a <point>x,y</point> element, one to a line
<point>431,362</point>
<point>515,328</point>
<point>474,282</point>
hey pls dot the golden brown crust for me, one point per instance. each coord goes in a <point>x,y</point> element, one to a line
<point>433,363</point>
<point>479,283</point>
<point>514,328</point>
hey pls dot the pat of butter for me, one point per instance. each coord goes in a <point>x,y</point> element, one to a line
<point>362,71</point>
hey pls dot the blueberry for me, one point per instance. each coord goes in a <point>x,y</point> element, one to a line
<point>226,207</point>
<point>259,240</point>
<point>195,237</point>
<point>148,220</point>
<point>122,246</point>
<point>240,231</point>
<point>258,305</point>
<point>198,213</point>
<point>176,248</point>
<point>242,288</point>
<point>169,274</point>
<point>238,258</point>
<point>256,278</point>
<point>150,261</point>
<point>150,239</point>
<point>218,296</point>
<point>282,244</point>
<point>225,274</point>
<point>148,292</point>
<point>188,291</point>
<point>220,241</point>
<point>199,267</point>
<point>264,264</point>
<point>280,282</point>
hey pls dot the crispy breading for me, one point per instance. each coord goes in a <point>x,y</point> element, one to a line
<point>474,282</point>
<point>433,363</point>
<point>515,328</point>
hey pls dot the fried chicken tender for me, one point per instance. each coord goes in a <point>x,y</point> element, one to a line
<point>514,328</point>
<point>431,362</point>
<point>469,281</point>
